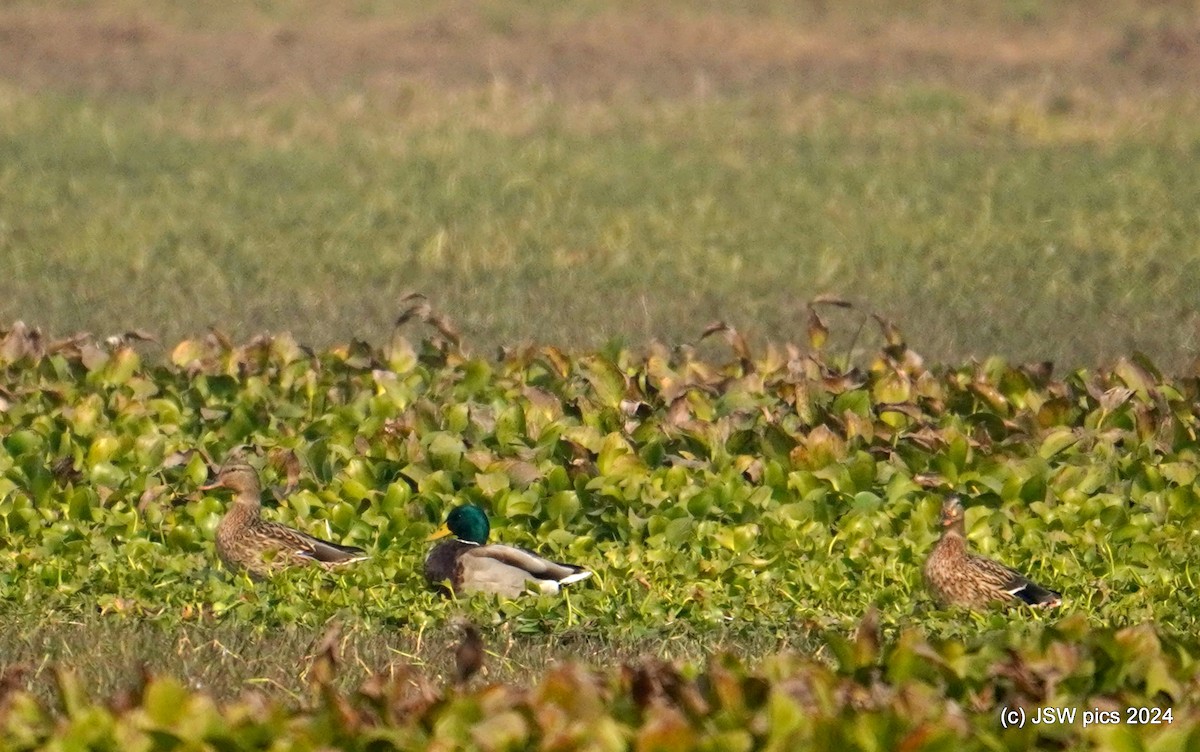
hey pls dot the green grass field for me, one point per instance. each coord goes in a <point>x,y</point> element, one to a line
<point>1012,180</point>
<point>1006,183</point>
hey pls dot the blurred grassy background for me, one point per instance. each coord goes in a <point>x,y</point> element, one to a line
<point>1014,178</point>
<point>227,659</point>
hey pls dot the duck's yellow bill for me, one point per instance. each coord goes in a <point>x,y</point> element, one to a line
<point>441,532</point>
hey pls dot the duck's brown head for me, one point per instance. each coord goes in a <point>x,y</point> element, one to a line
<point>238,477</point>
<point>952,514</point>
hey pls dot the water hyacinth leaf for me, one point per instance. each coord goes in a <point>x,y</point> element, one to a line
<point>447,450</point>
<point>165,702</point>
<point>522,473</point>
<point>865,502</point>
<point>1179,473</point>
<point>1034,488</point>
<point>738,539</point>
<point>23,442</point>
<point>106,474</point>
<point>786,719</point>
<point>512,504</point>
<point>343,516</point>
<point>120,366</point>
<point>507,730</point>
<point>188,352</point>
<point>617,458</point>
<point>82,502</point>
<point>103,449</point>
<point>893,387</point>
<point>587,437</point>
<point>679,531</point>
<point>605,378</point>
<point>665,730</point>
<point>823,447</point>
<point>857,401</point>
<point>491,483</point>
<point>476,377</point>
<point>1137,378</point>
<point>563,505</point>
<point>1057,441</point>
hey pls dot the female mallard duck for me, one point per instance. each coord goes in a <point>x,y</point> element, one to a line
<point>247,542</point>
<point>960,578</point>
<point>470,565</point>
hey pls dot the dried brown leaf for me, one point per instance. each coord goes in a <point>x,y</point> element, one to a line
<point>286,462</point>
<point>891,334</point>
<point>221,339</point>
<point>559,363</point>
<point>326,656</point>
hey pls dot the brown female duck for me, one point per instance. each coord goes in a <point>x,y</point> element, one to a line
<point>246,542</point>
<point>957,577</point>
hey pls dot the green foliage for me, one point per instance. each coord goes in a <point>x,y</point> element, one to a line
<point>769,490</point>
<point>774,495</point>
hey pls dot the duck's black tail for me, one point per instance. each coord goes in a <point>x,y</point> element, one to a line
<point>1036,595</point>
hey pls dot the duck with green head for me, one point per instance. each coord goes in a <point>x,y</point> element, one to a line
<point>470,565</point>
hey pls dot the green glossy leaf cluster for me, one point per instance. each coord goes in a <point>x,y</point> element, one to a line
<point>769,491</point>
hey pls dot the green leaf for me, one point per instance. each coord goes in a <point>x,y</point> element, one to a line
<point>1057,441</point>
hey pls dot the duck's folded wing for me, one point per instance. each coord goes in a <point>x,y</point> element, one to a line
<point>311,547</point>
<point>508,568</point>
<point>1011,582</point>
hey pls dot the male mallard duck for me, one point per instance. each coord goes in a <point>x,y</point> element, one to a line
<point>470,565</point>
<point>960,578</point>
<point>245,541</point>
